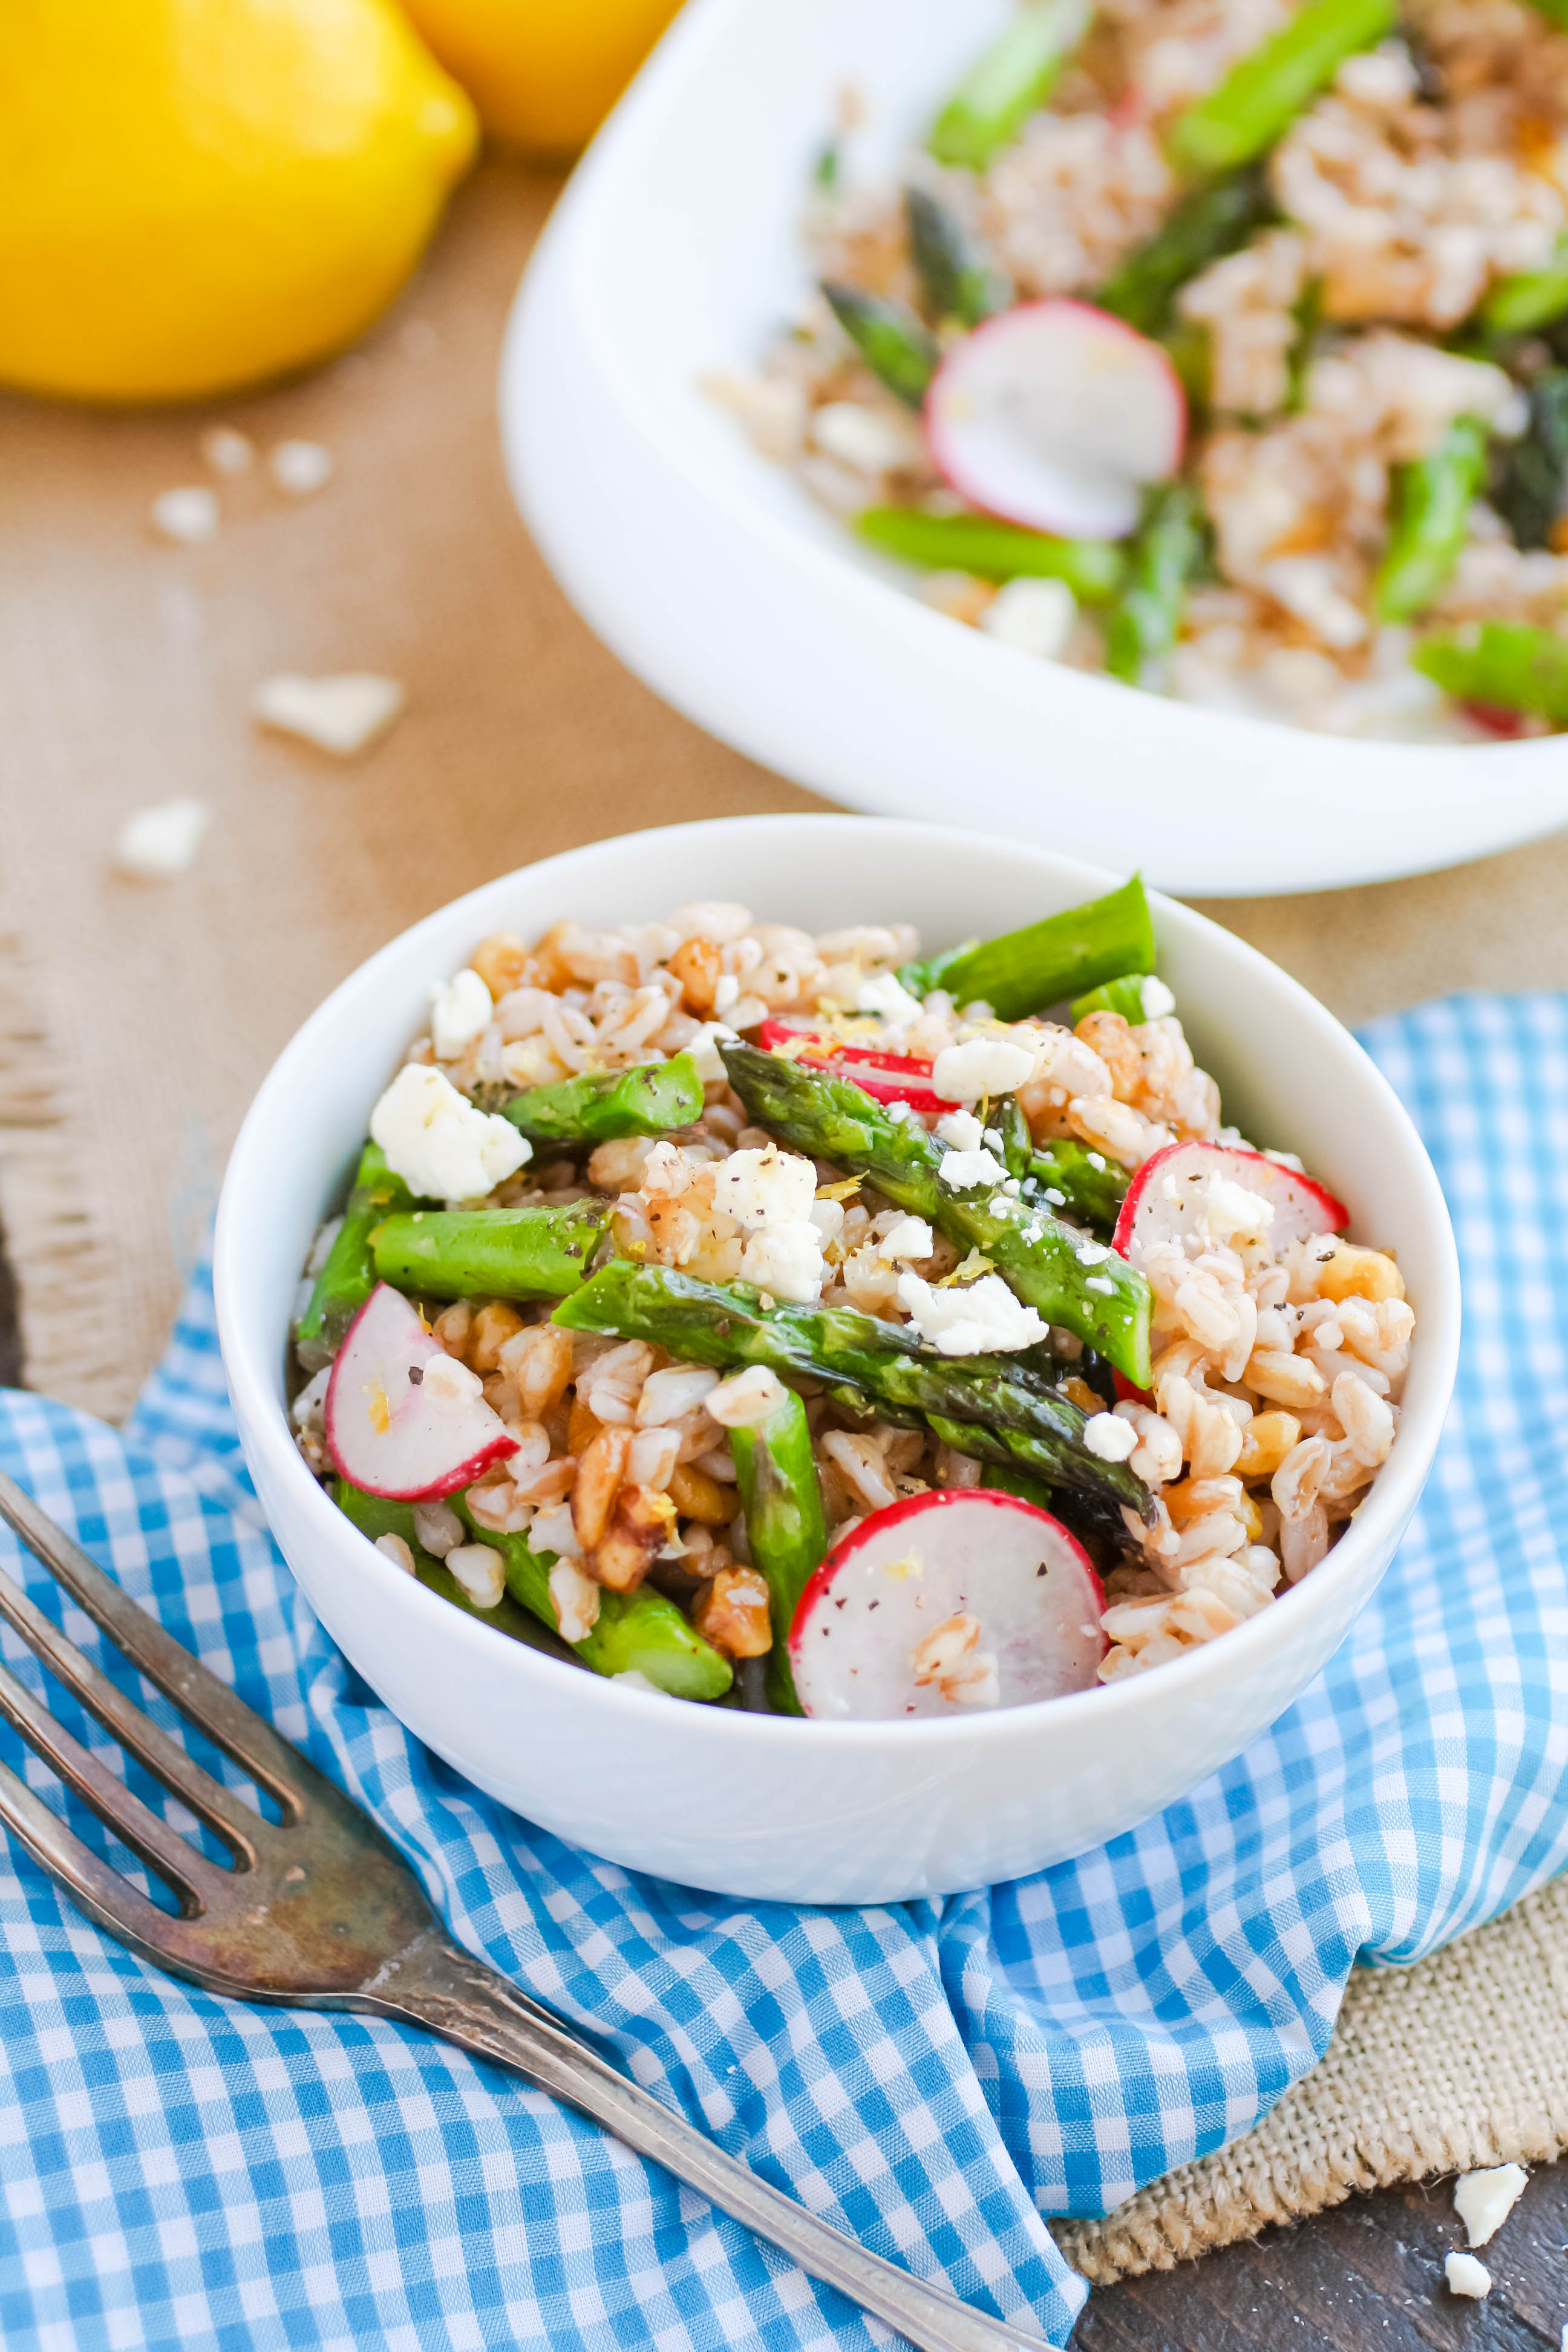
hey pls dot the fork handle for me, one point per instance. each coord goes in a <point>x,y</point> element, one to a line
<point>436,1984</point>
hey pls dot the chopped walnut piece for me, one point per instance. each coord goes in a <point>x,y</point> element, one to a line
<point>733,1613</point>
<point>642,1525</point>
<point>601,1467</point>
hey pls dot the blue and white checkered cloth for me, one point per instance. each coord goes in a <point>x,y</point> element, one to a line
<point>938,2077</point>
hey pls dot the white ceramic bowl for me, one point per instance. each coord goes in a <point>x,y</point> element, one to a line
<point>673,253</point>
<point>765,1806</point>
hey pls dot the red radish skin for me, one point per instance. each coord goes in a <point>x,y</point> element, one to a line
<point>886,1077</point>
<point>893,1581</point>
<point>1150,1214</point>
<point>383,1434</point>
<point>1056,415</point>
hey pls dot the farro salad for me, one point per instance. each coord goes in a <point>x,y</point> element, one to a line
<point>1221,345</point>
<point>816,1326</point>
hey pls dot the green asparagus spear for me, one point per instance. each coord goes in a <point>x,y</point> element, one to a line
<point>1186,344</point>
<point>1005,84</point>
<point>1431,499</point>
<point>1026,970</point>
<point>1532,491</point>
<point>606,1105</point>
<point>1207,223</point>
<point>785,1528</point>
<point>490,1253</point>
<point>1105,1301</point>
<point>1148,615</point>
<point>348,1277</point>
<point>1534,297</point>
<point>376,1514</point>
<point>1264,92</point>
<point>1503,663</point>
<point>1006,1119</point>
<point>1555,13</point>
<point>1089,1184</point>
<point>1308,313</point>
<point>1029,1489</point>
<point>726,1326</point>
<point>1015,1452</point>
<point>1124,996</point>
<point>897,347</point>
<point>955,278</point>
<point>635,1632</point>
<point>1093,568</point>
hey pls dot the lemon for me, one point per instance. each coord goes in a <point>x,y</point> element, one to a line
<point>543,73</point>
<point>203,193</point>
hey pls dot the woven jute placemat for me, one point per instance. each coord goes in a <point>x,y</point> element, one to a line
<point>136,1019</point>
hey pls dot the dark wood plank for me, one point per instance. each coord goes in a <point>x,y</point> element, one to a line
<point>11,1375</point>
<point>1366,2278</point>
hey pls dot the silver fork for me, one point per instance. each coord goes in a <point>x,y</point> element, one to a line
<point>321,1911</point>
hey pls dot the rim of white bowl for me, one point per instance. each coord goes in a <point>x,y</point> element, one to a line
<point>1393,1495</point>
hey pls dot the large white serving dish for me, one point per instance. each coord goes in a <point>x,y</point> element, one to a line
<point>770,1807</point>
<point>719,582</point>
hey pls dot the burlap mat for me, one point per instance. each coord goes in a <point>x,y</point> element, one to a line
<point>136,1018</point>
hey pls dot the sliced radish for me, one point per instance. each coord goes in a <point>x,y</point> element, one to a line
<point>391,1429</point>
<point>1056,414</point>
<point>944,1604</point>
<point>1169,1199</point>
<point>887,1077</point>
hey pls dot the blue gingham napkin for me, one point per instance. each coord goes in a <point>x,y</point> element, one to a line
<point>938,2077</point>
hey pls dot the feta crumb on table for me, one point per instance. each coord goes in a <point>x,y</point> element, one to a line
<point>189,517</point>
<point>1467,2276</point>
<point>1483,2201</point>
<point>441,1146</point>
<point>341,714</point>
<point>156,844</point>
<point>228,450</point>
<point>301,467</point>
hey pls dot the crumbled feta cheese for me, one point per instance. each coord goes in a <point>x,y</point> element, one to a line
<point>704,1050</point>
<point>771,1195</point>
<point>982,1317</point>
<point>765,1187</point>
<point>1158,1001</point>
<point>963,1172</point>
<point>157,843</point>
<point>828,1217</point>
<point>902,1110</point>
<point>341,714</point>
<point>726,992</point>
<point>1033,616</point>
<point>1483,2201</point>
<point>1058,1200</point>
<point>189,517</point>
<point>1091,1253</point>
<point>910,1237</point>
<point>1106,1288</point>
<point>308,1408</point>
<point>393,1548</point>
<point>1467,2276</point>
<point>888,997</point>
<point>301,468</point>
<point>227,451</point>
<point>981,1066</point>
<point>746,1398</point>
<point>1111,1440</point>
<point>441,1146</point>
<point>1228,1211</point>
<point>785,1260</point>
<point>461,1010</point>
<point>961,1129</point>
<point>481,1571</point>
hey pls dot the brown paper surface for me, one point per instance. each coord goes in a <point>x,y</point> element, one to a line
<point>137,1018</point>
